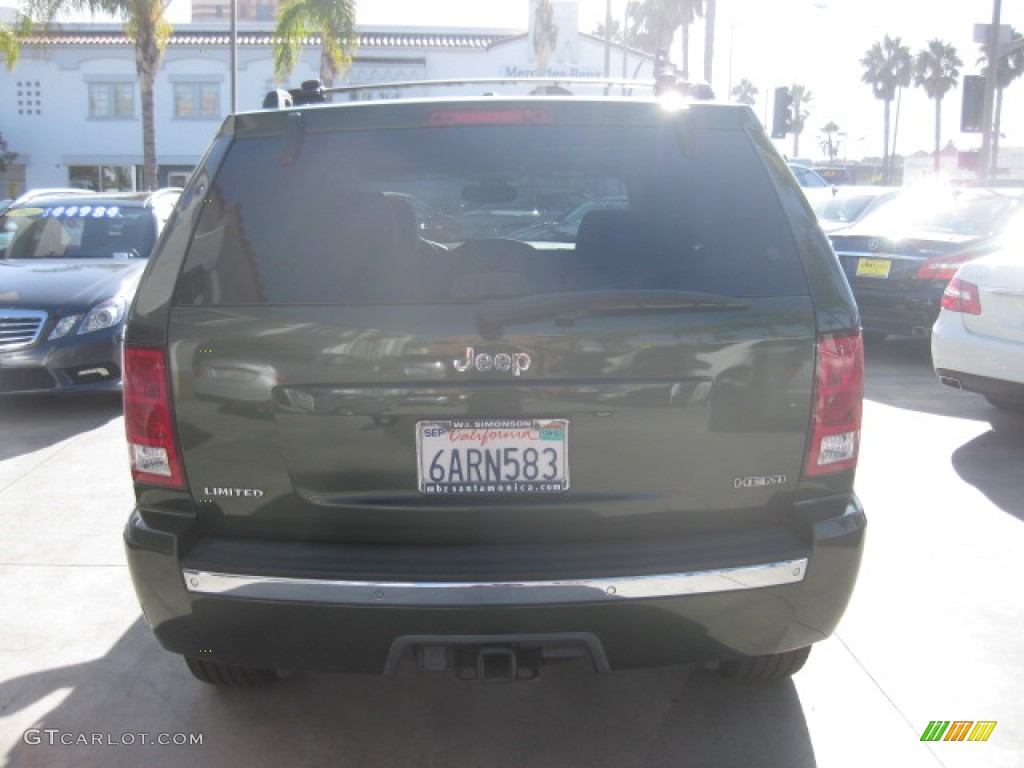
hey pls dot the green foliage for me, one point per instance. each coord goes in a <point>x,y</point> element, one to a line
<point>936,69</point>
<point>887,66</point>
<point>1010,66</point>
<point>6,158</point>
<point>334,21</point>
<point>745,93</point>
<point>658,20</point>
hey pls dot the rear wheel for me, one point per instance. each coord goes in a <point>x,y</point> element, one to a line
<point>774,666</point>
<point>216,673</point>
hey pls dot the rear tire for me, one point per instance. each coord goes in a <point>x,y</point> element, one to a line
<point>756,669</point>
<point>216,673</point>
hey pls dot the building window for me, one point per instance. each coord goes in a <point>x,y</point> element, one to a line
<point>196,101</point>
<point>102,178</point>
<point>112,100</point>
<point>29,98</point>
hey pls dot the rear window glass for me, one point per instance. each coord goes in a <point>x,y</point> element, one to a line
<point>81,231</point>
<point>468,213</point>
<point>943,211</point>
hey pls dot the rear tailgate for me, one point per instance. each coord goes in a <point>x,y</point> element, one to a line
<point>343,433</point>
<point>340,378</point>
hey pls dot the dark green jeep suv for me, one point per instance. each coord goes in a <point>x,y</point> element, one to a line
<point>375,418</point>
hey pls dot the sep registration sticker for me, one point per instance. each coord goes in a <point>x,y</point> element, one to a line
<point>492,456</point>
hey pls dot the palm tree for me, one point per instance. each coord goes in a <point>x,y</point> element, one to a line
<point>689,10</point>
<point>333,21</point>
<point>745,93</point>
<point>1010,68</point>
<point>829,145</point>
<point>800,96</point>
<point>935,70</point>
<point>146,25</point>
<point>9,48</point>
<point>659,20</point>
<point>887,66</point>
<point>632,30</point>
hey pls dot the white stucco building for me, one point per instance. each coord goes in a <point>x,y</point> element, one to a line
<point>72,110</point>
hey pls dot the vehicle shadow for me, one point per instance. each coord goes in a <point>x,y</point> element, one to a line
<point>30,423</point>
<point>568,717</point>
<point>898,372</point>
<point>992,462</point>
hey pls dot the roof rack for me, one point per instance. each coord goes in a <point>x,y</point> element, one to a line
<point>312,92</point>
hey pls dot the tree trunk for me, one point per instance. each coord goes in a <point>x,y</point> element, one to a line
<point>147,60</point>
<point>938,133</point>
<point>995,131</point>
<point>327,69</point>
<point>885,143</point>
<point>709,39</point>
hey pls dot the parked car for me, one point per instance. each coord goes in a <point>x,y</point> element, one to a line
<point>978,340</point>
<point>814,186</point>
<point>900,258</point>
<point>850,204</point>
<point>36,194</point>
<point>635,449</point>
<point>69,265</point>
<point>565,227</point>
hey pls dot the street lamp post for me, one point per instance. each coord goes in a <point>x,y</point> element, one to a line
<point>234,56</point>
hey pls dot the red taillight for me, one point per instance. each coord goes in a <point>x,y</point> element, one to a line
<point>147,419</point>
<point>838,395</point>
<point>961,296</point>
<point>943,267</point>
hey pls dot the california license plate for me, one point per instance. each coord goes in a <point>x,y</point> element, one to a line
<point>493,456</point>
<point>873,267</point>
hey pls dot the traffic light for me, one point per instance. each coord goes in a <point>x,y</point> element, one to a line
<point>973,108</point>
<point>782,119</point>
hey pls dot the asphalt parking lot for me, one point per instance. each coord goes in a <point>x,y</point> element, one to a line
<point>935,630</point>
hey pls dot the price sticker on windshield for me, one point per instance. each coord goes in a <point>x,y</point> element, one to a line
<point>492,456</point>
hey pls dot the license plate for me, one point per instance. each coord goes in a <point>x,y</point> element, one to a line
<point>493,456</point>
<point>873,267</point>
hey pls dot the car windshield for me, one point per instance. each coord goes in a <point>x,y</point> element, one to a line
<point>93,231</point>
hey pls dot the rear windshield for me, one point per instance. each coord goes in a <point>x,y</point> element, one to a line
<point>81,231</point>
<point>943,211</point>
<point>468,213</point>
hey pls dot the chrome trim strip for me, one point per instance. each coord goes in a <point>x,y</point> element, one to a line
<point>494,593</point>
<point>882,255</point>
<point>20,328</point>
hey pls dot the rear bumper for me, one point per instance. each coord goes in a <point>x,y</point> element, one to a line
<point>905,313</point>
<point>988,366</point>
<point>675,616</point>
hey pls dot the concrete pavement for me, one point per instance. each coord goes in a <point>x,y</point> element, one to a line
<point>935,631</point>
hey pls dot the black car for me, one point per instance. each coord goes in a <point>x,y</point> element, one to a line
<point>900,258</point>
<point>356,448</point>
<point>69,265</point>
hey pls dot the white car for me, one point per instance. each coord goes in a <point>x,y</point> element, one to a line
<point>978,340</point>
